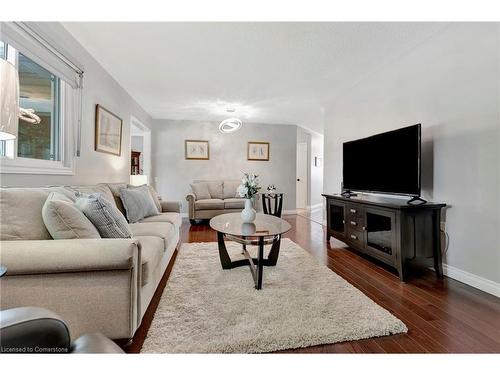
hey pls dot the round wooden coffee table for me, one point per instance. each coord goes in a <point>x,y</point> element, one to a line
<point>265,230</point>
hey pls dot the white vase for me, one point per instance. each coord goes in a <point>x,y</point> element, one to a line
<point>248,213</point>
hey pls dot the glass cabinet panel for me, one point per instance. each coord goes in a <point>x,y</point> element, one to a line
<point>337,222</point>
<point>379,227</point>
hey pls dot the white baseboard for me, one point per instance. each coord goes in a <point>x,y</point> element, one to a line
<point>185,215</point>
<point>475,281</point>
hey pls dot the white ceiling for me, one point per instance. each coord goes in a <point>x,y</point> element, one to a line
<point>269,72</point>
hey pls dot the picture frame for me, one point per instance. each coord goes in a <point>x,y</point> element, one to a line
<point>108,131</point>
<point>196,149</point>
<point>258,151</point>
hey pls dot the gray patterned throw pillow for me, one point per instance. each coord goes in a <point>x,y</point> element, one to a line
<point>138,203</point>
<point>108,220</point>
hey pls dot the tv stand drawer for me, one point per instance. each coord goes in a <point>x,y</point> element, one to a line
<point>355,237</point>
<point>355,213</point>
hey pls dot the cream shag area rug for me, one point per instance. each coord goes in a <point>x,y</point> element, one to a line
<point>205,309</point>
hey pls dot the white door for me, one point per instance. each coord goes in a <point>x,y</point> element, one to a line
<point>301,175</point>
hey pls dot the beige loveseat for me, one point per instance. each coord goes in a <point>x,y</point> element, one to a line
<point>223,199</point>
<point>95,285</point>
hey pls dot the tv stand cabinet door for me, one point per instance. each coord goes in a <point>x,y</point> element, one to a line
<point>381,235</point>
<point>336,219</point>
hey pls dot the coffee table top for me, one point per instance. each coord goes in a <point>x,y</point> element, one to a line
<point>263,226</point>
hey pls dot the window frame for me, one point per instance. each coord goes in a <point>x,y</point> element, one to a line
<point>68,112</point>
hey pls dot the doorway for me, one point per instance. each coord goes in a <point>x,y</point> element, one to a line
<point>140,149</point>
<point>302,176</point>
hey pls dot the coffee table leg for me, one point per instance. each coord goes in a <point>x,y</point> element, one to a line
<point>225,260</point>
<point>260,263</point>
<point>272,258</point>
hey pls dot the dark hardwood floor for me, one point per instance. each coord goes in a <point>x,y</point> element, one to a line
<point>442,315</point>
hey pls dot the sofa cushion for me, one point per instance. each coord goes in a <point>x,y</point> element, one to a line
<point>152,249</point>
<point>102,189</point>
<point>64,220</point>
<point>138,203</point>
<point>115,190</point>
<point>109,222</point>
<point>234,203</point>
<point>230,187</point>
<point>200,190</point>
<point>215,189</point>
<point>165,217</point>
<point>163,230</point>
<point>209,204</point>
<point>155,196</point>
<point>21,213</point>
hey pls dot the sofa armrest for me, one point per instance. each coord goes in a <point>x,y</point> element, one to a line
<point>56,256</point>
<point>191,198</point>
<point>170,206</point>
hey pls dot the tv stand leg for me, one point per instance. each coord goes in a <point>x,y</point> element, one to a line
<point>401,271</point>
<point>438,261</point>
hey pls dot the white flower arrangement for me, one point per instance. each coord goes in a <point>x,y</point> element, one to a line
<point>249,186</point>
<point>271,187</point>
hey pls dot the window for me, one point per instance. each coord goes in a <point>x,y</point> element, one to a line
<point>39,90</point>
<point>50,84</point>
<point>3,52</point>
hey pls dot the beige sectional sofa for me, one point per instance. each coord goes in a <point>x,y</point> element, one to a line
<point>223,199</point>
<point>101,285</point>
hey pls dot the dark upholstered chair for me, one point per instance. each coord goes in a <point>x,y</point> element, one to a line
<point>38,330</point>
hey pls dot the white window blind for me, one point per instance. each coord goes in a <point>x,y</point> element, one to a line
<point>29,39</point>
<point>32,41</point>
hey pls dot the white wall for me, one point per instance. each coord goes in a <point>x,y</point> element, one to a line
<point>228,156</point>
<point>450,84</point>
<point>99,88</point>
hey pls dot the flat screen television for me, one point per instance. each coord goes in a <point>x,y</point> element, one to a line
<point>384,163</point>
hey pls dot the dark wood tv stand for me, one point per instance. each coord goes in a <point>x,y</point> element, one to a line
<point>388,229</point>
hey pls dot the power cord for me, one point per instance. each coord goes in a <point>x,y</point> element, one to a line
<point>447,242</point>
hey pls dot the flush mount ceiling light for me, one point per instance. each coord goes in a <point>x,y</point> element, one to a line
<point>230,125</point>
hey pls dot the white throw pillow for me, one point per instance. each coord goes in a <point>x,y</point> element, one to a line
<point>64,220</point>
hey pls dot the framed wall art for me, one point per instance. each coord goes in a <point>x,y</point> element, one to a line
<point>196,150</point>
<point>108,131</point>
<point>258,151</point>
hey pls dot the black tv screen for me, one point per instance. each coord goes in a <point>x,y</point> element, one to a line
<point>384,163</point>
